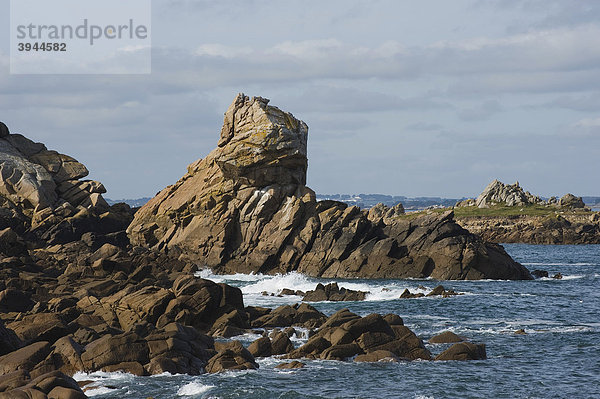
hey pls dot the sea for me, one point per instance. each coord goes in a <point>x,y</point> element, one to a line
<point>558,357</point>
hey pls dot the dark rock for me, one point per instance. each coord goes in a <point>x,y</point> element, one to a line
<point>463,351</point>
<point>281,344</point>
<point>291,365</point>
<point>406,294</point>
<point>540,273</point>
<point>13,300</point>
<point>261,347</point>
<point>231,356</point>
<point>8,340</point>
<point>557,276</point>
<point>331,292</point>
<point>377,356</point>
<point>447,337</point>
<point>521,331</point>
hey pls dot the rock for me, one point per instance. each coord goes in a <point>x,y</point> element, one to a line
<point>441,291</point>
<point>331,292</point>
<point>463,351</point>
<point>571,202</point>
<point>406,294</point>
<point>8,340</point>
<point>286,315</point>
<point>377,356</point>
<point>447,337</point>
<point>557,276</point>
<point>231,356</point>
<point>13,300</point>
<point>25,358</point>
<point>39,327</point>
<point>280,343</point>
<point>393,319</point>
<point>540,273</point>
<point>383,213</point>
<point>291,365</point>
<point>123,349</point>
<point>11,244</point>
<point>261,347</point>
<point>520,332</point>
<point>498,193</point>
<point>245,208</point>
<point>178,349</point>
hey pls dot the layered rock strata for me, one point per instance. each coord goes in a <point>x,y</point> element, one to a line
<point>245,208</point>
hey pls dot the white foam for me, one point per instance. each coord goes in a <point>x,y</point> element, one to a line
<point>100,390</point>
<point>423,397</point>
<point>571,277</point>
<point>194,388</point>
<point>102,376</point>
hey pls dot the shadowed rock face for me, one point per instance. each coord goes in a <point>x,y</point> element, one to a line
<point>245,208</point>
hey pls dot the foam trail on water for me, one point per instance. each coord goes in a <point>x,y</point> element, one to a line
<point>194,388</point>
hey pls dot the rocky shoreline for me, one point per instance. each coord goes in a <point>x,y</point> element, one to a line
<point>86,286</point>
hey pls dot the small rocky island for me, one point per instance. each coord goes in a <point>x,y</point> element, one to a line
<point>245,208</point>
<point>506,213</point>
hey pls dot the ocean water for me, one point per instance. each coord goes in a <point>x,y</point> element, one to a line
<point>559,357</point>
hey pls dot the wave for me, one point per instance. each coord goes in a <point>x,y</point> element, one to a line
<point>571,277</point>
<point>194,388</point>
<point>254,286</point>
<point>102,375</point>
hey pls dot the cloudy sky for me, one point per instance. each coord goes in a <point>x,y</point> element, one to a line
<point>415,98</point>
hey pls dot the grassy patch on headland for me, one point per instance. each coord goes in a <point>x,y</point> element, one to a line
<point>501,211</point>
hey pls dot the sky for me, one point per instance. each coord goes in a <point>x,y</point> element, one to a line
<point>414,98</point>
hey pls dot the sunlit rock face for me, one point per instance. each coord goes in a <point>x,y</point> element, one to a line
<point>245,208</point>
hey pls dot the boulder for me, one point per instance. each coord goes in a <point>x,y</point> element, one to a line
<point>245,208</point>
<point>123,349</point>
<point>377,356</point>
<point>261,347</point>
<point>570,201</point>
<point>25,358</point>
<point>291,365</point>
<point>331,292</point>
<point>463,351</point>
<point>231,356</point>
<point>447,337</point>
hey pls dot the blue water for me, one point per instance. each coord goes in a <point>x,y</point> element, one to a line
<point>558,358</point>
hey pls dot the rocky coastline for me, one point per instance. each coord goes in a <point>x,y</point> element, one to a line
<point>86,286</point>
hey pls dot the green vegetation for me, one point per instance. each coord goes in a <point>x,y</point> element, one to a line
<point>500,211</point>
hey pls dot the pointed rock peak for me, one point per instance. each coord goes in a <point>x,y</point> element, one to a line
<point>262,145</point>
<point>3,130</point>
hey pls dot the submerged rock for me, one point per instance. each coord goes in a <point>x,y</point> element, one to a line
<point>245,208</point>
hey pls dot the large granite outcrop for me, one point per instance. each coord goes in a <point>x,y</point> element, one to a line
<point>245,208</point>
<point>42,193</point>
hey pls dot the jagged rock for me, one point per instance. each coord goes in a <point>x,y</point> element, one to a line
<point>245,208</point>
<point>571,202</point>
<point>463,351</point>
<point>345,335</point>
<point>385,214</point>
<point>498,193</point>
<point>231,356</point>
<point>286,315</point>
<point>331,292</point>
<point>261,347</point>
